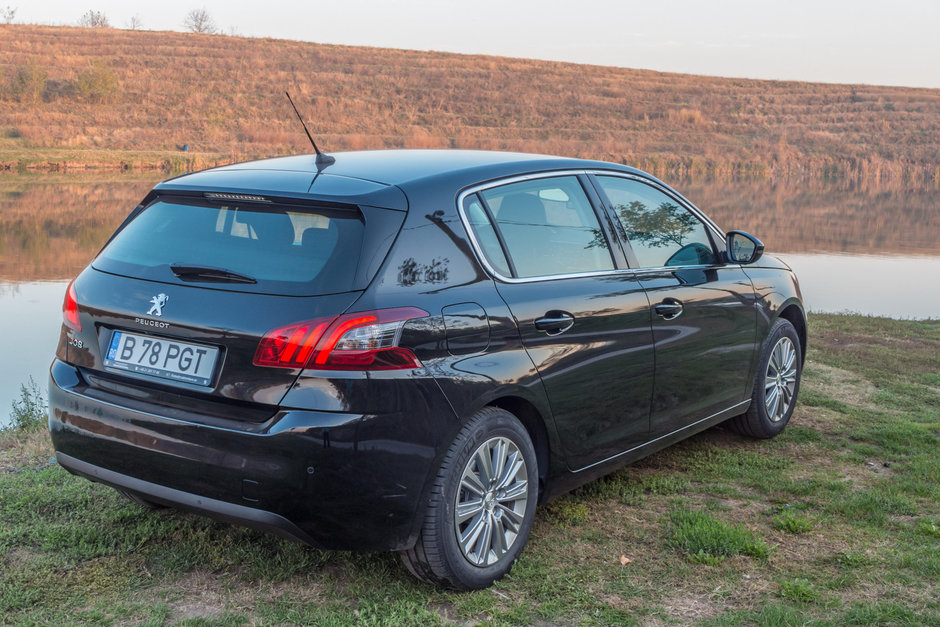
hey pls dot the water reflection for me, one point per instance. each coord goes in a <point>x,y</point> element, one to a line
<point>823,218</point>
<point>50,231</point>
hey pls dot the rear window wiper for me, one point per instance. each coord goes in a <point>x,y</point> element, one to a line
<point>208,274</point>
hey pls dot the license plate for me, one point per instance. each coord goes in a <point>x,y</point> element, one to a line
<point>160,357</point>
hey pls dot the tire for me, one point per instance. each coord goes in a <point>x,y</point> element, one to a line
<point>776,384</point>
<point>495,519</point>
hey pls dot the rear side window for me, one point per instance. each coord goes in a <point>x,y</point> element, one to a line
<point>272,249</point>
<point>547,226</point>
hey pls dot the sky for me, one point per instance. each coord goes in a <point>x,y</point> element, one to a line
<point>833,41</point>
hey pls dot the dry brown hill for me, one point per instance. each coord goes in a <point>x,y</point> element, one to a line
<point>69,94</point>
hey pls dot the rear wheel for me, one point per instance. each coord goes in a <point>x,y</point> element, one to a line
<point>776,384</point>
<point>481,506</point>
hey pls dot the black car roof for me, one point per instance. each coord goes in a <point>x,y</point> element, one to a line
<point>360,176</point>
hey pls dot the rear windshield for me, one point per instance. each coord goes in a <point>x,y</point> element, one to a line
<point>251,247</point>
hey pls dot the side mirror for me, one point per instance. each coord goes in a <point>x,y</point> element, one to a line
<point>743,247</point>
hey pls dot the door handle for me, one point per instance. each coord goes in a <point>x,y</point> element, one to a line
<point>669,309</point>
<point>555,322</point>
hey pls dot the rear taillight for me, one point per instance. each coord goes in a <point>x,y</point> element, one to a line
<point>70,309</point>
<point>366,340</point>
<point>290,347</point>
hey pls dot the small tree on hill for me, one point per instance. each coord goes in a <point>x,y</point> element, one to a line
<point>7,14</point>
<point>199,21</point>
<point>94,19</point>
<point>29,81</point>
<point>98,83</point>
<point>134,23</point>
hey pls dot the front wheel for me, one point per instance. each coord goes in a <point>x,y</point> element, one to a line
<point>481,506</point>
<point>776,384</point>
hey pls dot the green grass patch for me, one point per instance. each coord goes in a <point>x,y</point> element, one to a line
<point>929,528</point>
<point>792,523</point>
<point>708,540</point>
<point>799,590</point>
<point>874,505</point>
<point>567,512</point>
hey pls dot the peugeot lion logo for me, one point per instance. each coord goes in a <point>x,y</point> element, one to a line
<point>159,301</point>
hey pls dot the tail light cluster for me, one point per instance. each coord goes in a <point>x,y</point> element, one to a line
<point>70,309</point>
<point>367,340</point>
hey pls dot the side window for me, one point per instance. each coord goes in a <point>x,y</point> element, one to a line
<point>662,232</point>
<point>548,227</point>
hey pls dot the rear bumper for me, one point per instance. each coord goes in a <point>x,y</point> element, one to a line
<point>220,510</point>
<point>333,480</point>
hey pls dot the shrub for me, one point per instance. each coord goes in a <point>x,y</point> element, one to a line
<point>29,81</point>
<point>99,83</point>
<point>30,409</point>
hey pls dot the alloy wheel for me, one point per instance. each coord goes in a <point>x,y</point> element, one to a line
<point>780,379</point>
<point>491,501</point>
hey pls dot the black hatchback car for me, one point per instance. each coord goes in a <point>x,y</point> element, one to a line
<point>408,350</point>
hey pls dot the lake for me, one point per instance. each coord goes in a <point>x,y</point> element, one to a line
<point>855,248</point>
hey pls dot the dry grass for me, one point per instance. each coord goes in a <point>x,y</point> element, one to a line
<point>223,97</point>
<point>24,449</point>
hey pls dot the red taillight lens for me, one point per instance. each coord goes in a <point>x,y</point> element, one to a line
<point>290,347</point>
<point>366,340</point>
<point>70,309</point>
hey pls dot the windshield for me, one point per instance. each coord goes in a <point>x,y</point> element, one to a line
<point>252,247</point>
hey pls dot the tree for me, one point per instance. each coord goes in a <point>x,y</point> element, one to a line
<point>199,21</point>
<point>134,23</point>
<point>666,225</point>
<point>7,14</point>
<point>98,83</point>
<point>94,19</point>
<point>29,81</point>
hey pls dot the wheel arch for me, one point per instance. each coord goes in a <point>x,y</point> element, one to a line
<point>794,314</point>
<point>534,423</point>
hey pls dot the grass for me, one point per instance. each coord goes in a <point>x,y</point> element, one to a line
<point>708,540</point>
<point>811,528</point>
<point>792,523</point>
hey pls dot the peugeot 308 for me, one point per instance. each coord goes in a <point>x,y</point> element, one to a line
<point>409,350</point>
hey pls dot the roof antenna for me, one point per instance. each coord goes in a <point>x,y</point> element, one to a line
<point>323,159</point>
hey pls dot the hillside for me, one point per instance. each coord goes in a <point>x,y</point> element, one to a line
<point>223,97</point>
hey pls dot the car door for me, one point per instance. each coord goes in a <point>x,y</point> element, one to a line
<point>703,315</point>
<point>583,318</point>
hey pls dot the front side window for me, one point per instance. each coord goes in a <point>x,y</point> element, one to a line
<point>661,232</point>
<point>547,227</point>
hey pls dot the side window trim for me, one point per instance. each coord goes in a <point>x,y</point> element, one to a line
<point>498,232</point>
<point>622,240</point>
<point>621,261</point>
<point>712,231</point>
